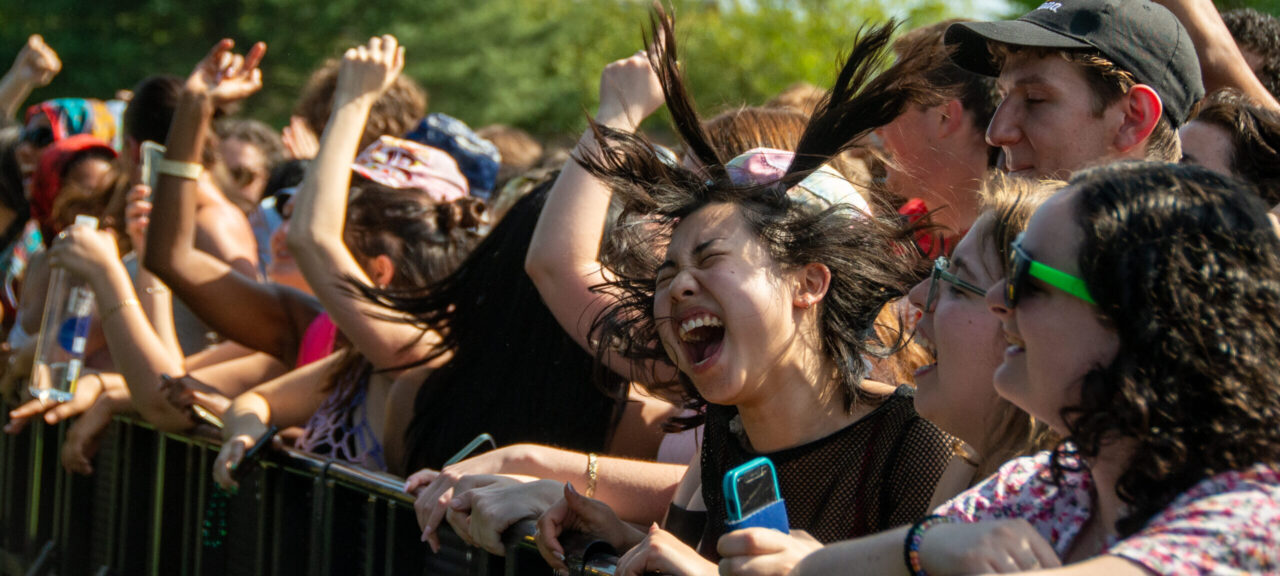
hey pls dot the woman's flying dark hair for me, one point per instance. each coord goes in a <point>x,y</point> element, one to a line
<point>1185,267</point>
<point>513,371</point>
<point>871,261</point>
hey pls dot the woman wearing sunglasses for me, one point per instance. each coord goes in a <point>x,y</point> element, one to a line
<point>1143,313</point>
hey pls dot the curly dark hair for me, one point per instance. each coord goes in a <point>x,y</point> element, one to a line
<point>871,261</point>
<point>1258,33</point>
<point>1185,267</point>
<point>1255,139</point>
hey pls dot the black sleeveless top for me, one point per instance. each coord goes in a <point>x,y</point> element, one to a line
<point>875,474</point>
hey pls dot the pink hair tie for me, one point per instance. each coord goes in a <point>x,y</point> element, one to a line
<point>822,189</point>
<point>405,164</point>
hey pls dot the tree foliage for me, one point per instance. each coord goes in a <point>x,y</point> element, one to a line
<point>531,63</point>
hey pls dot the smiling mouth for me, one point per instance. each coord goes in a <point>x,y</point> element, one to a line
<point>702,336</point>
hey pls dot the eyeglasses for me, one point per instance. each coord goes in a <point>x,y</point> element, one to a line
<point>940,267</point>
<point>1022,266</point>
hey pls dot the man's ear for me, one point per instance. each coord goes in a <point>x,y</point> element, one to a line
<point>1142,108</point>
<point>812,283</point>
<point>952,119</point>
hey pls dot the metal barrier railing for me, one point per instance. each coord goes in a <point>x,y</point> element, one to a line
<point>151,508</point>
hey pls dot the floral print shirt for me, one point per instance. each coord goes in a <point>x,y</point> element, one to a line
<point>1226,524</point>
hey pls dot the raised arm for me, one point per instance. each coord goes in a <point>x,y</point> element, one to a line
<point>266,318</point>
<point>320,211</point>
<point>35,66</point>
<point>1221,63</point>
<point>139,353</point>
<point>564,256</point>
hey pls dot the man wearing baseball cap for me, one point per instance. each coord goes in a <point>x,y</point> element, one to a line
<point>1084,82</point>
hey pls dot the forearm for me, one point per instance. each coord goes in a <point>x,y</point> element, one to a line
<point>564,254</point>
<point>248,416</point>
<point>13,92</point>
<point>157,302</point>
<point>638,491</point>
<point>171,236</point>
<point>1221,63</point>
<point>877,554</point>
<point>139,353</point>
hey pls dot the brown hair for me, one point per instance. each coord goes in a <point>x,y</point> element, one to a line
<point>1010,202</point>
<point>1107,84</point>
<point>801,97</point>
<point>977,93</point>
<point>395,113</point>
<point>1255,139</point>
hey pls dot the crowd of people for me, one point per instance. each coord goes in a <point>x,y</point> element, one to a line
<point>1005,297</point>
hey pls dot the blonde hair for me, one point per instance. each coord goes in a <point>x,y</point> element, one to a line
<point>1010,202</point>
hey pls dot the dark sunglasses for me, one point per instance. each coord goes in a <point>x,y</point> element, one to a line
<point>38,136</point>
<point>1022,268</point>
<point>940,267</point>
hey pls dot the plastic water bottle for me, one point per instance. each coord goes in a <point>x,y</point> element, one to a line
<point>64,330</point>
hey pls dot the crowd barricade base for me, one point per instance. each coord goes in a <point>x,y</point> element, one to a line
<point>151,508</point>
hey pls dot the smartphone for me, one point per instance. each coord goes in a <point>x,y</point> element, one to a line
<point>752,498</point>
<point>250,461</point>
<point>152,154</point>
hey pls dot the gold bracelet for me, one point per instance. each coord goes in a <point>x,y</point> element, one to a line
<point>592,463</point>
<point>112,311</point>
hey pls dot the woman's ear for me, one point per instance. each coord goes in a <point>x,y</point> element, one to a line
<point>381,270</point>
<point>812,282</point>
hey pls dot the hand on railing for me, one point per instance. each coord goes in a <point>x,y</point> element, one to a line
<point>433,491</point>
<point>662,552</point>
<point>87,389</point>
<point>577,513</point>
<point>763,552</point>
<point>481,514</point>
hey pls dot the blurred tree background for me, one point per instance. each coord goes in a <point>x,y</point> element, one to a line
<point>530,63</point>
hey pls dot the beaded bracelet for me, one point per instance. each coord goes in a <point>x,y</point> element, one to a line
<point>911,546</point>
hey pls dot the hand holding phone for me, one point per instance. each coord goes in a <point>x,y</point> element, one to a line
<point>752,498</point>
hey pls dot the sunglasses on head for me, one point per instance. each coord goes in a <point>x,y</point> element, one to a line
<point>940,267</point>
<point>1022,268</point>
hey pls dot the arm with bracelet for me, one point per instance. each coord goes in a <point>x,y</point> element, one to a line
<point>140,354</point>
<point>217,293</point>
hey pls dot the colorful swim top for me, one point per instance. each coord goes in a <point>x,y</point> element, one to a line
<point>318,341</point>
<point>340,428</point>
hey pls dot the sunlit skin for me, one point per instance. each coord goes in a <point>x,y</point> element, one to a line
<point>955,393</point>
<point>937,154</point>
<point>1208,145</point>
<point>1055,339</point>
<point>1045,122</point>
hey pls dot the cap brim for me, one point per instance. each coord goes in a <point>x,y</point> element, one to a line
<point>969,40</point>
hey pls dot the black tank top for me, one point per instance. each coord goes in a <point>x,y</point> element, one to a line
<point>875,474</point>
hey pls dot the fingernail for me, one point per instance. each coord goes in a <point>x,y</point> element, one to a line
<point>456,503</point>
<point>558,556</point>
<point>569,485</point>
<point>424,534</point>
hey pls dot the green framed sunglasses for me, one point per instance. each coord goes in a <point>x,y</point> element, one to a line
<point>1023,267</point>
<point>940,267</point>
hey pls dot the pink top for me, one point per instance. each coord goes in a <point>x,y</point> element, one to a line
<point>318,340</point>
<point>1229,523</point>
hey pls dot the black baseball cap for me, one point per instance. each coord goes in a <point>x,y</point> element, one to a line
<point>1141,37</point>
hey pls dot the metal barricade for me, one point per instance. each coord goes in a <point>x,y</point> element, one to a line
<point>151,508</point>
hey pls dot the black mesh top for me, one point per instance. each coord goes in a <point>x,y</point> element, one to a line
<point>875,474</point>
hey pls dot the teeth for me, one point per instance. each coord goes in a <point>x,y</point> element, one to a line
<point>696,322</point>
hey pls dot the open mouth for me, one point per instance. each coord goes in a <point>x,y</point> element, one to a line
<point>702,336</point>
